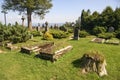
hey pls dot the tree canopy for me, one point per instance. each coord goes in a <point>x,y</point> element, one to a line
<point>39,7</point>
<point>107,18</point>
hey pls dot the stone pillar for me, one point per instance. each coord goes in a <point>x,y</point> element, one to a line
<point>23,18</point>
<point>76,33</point>
<point>46,26</point>
<point>38,27</point>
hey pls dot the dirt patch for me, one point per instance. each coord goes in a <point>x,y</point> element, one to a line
<point>1,51</point>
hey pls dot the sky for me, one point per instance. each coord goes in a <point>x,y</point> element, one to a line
<point>63,11</point>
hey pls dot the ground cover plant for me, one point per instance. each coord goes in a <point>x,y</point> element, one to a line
<point>17,66</point>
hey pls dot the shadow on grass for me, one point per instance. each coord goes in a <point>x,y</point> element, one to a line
<point>77,63</point>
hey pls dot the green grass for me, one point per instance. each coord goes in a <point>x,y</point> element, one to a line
<point>17,66</point>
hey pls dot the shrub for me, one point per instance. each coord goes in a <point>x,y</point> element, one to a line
<point>59,34</point>
<point>98,30</point>
<point>36,33</point>
<point>1,33</point>
<point>5,32</point>
<point>70,30</point>
<point>14,34</point>
<point>1,38</point>
<point>106,35</point>
<point>118,33</point>
<point>15,39</point>
<point>19,34</point>
<point>47,36</point>
<point>63,28</point>
<point>83,34</point>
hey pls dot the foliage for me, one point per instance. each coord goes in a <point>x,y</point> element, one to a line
<point>118,33</point>
<point>39,7</point>
<point>70,30</point>
<point>5,32</point>
<point>83,34</point>
<point>36,33</point>
<point>98,30</point>
<point>63,28</point>
<point>68,25</point>
<point>116,23</point>
<point>107,18</point>
<point>1,38</point>
<point>14,33</point>
<point>106,35</point>
<point>96,54</point>
<point>59,34</point>
<point>19,34</point>
<point>47,36</point>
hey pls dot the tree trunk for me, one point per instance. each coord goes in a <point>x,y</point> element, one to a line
<point>5,18</point>
<point>93,62</point>
<point>29,14</point>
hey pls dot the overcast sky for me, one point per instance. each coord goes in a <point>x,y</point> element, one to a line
<point>63,10</point>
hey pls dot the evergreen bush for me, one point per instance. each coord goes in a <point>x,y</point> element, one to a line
<point>19,34</point>
<point>98,30</point>
<point>47,36</point>
<point>118,33</point>
<point>36,33</point>
<point>83,34</point>
<point>59,34</point>
<point>106,35</point>
<point>14,33</point>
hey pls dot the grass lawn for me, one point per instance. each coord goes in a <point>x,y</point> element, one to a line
<point>17,66</point>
